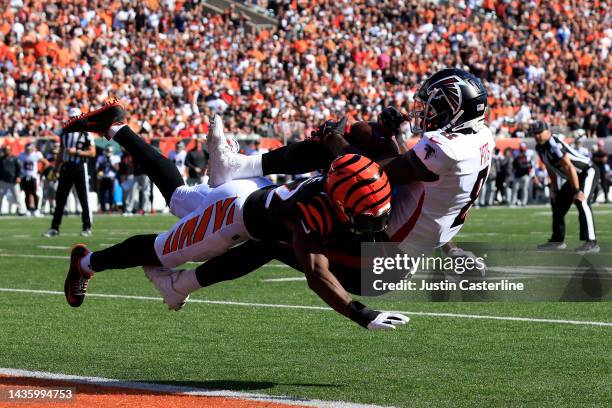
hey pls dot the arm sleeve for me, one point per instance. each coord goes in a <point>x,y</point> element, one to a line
<point>434,153</point>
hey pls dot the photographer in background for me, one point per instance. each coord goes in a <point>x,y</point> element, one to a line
<point>572,180</point>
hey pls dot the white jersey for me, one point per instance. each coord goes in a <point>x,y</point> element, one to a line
<point>426,215</point>
<point>29,164</point>
<point>178,158</point>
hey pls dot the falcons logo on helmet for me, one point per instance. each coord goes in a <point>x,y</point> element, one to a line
<point>448,88</point>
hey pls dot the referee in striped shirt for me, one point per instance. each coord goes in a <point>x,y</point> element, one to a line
<point>572,178</point>
<point>75,149</point>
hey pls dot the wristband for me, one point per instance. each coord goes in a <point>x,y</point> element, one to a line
<point>360,314</point>
<point>576,190</point>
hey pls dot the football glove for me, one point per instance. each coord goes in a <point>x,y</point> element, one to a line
<point>391,119</point>
<point>328,128</point>
<point>375,320</point>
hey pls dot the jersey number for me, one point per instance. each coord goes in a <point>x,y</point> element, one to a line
<point>482,176</point>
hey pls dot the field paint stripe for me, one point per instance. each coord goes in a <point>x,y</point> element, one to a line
<point>295,278</point>
<point>35,256</point>
<point>281,306</point>
<point>178,389</point>
<point>52,247</point>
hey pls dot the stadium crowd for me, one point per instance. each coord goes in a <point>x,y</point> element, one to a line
<point>172,63</point>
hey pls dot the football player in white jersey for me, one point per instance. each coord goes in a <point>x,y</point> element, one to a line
<point>437,181</point>
<point>29,177</point>
<point>178,156</point>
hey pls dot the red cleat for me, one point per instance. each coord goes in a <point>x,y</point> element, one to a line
<point>97,121</point>
<point>77,280</point>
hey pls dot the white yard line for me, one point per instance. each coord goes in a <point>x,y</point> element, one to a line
<point>178,389</point>
<point>53,247</point>
<point>302,307</point>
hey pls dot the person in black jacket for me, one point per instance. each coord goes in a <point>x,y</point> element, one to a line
<point>196,162</point>
<point>9,178</point>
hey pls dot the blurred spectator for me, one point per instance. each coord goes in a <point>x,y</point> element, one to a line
<point>505,176</point>
<point>601,161</point>
<point>10,170</point>
<point>50,179</point>
<point>126,178</point>
<point>196,162</point>
<point>522,167</point>
<point>179,156</point>
<point>107,167</point>
<point>29,177</point>
<point>138,197</point>
<point>541,189</point>
<point>489,189</point>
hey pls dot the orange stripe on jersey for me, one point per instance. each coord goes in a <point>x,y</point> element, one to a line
<point>167,244</point>
<point>175,240</point>
<point>317,218</point>
<point>187,232</point>
<point>307,217</point>
<point>230,215</point>
<point>203,226</point>
<point>328,218</point>
<point>220,211</point>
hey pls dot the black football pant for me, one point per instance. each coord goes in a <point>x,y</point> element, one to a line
<point>565,197</point>
<point>105,193</point>
<point>72,174</point>
<point>139,250</point>
<point>29,187</point>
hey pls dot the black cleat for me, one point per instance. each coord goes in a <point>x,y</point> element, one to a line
<point>589,247</point>
<point>77,280</point>
<point>552,246</point>
<point>97,121</point>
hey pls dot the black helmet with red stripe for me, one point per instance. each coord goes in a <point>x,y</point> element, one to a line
<point>360,193</point>
<point>451,100</point>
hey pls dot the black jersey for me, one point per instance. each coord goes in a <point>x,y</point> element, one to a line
<point>302,202</point>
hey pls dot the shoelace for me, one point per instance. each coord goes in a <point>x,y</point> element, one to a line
<point>81,285</point>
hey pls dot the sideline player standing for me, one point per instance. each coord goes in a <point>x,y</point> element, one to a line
<point>75,148</point>
<point>572,177</point>
<point>29,177</point>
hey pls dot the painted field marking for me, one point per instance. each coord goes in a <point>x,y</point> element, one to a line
<point>181,390</point>
<point>53,247</point>
<point>302,307</point>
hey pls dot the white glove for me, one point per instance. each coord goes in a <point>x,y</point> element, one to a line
<point>387,321</point>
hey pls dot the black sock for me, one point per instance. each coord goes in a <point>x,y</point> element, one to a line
<point>296,158</point>
<point>160,170</point>
<point>138,250</point>
<point>236,262</point>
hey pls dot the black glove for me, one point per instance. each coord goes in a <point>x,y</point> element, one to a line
<point>328,128</point>
<point>391,119</point>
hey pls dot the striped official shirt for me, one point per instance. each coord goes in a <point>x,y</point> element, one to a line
<point>553,151</point>
<point>78,140</point>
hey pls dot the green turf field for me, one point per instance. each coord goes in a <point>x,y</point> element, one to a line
<point>438,361</point>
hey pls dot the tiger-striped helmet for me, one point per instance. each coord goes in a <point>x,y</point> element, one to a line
<point>360,192</point>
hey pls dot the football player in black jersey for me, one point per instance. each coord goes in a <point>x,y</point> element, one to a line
<point>355,196</point>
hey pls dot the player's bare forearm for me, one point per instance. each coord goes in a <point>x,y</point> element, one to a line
<point>319,277</point>
<point>553,179</point>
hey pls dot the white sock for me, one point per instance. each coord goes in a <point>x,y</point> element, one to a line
<point>249,166</point>
<point>86,263</point>
<point>112,131</point>
<point>187,282</point>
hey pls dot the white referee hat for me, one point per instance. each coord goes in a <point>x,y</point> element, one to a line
<point>74,112</point>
